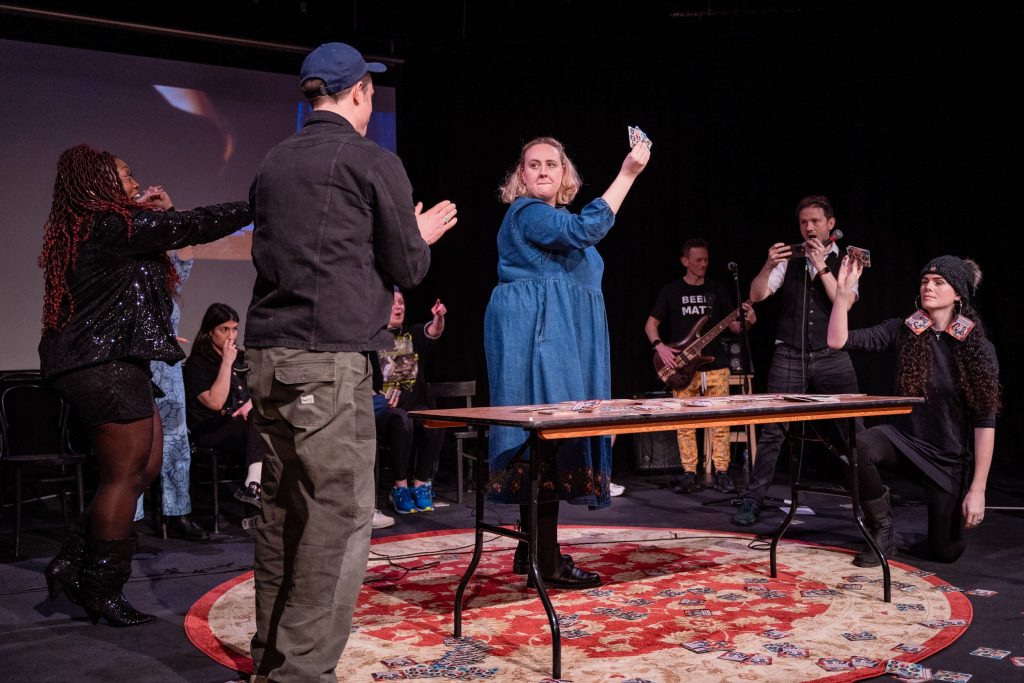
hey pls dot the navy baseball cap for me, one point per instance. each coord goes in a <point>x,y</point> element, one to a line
<point>339,65</point>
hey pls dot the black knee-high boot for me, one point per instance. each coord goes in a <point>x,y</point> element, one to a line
<point>878,518</point>
<point>107,566</point>
<point>63,571</point>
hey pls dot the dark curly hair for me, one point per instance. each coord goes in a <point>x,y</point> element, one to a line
<point>975,367</point>
<point>87,184</point>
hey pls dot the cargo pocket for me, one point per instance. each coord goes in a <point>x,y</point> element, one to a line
<point>305,392</point>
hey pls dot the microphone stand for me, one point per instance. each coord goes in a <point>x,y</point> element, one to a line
<point>748,362</point>
<point>747,369</point>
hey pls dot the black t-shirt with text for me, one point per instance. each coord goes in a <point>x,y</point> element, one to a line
<point>681,305</point>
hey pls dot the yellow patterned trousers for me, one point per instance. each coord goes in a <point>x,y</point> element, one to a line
<point>707,383</point>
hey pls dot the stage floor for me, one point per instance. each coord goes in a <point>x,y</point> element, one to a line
<point>44,641</point>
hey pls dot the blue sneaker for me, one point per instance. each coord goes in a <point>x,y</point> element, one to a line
<point>401,499</point>
<point>423,497</point>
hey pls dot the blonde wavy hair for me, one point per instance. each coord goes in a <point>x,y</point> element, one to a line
<point>513,187</point>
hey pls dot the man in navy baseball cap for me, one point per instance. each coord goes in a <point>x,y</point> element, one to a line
<point>335,229</point>
<point>338,65</point>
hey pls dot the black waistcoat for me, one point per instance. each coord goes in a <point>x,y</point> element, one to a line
<point>796,320</point>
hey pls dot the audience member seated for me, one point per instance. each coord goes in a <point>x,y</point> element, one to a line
<point>217,397</point>
<point>399,388</point>
<point>175,500</point>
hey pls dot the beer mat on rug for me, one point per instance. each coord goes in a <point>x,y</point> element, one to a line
<point>675,605</point>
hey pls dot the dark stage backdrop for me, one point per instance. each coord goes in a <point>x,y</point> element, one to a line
<point>909,123</point>
<point>911,128</point>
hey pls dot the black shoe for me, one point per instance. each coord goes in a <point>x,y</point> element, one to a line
<point>250,494</point>
<point>105,569</point>
<point>183,527</point>
<point>688,483</point>
<point>571,577</point>
<point>749,512</point>
<point>724,483</point>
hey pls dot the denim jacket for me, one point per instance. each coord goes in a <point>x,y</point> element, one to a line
<point>334,231</point>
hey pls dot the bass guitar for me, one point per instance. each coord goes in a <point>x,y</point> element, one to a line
<point>690,358</point>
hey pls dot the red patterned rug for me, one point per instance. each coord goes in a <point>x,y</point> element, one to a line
<point>676,605</point>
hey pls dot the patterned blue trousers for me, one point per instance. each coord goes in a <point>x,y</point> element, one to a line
<point>174,474</point>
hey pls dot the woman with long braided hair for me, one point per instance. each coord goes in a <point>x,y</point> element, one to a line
<point>106,315</point>
<point>946,358</point>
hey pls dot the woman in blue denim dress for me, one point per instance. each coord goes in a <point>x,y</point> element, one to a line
<point>546,337</point>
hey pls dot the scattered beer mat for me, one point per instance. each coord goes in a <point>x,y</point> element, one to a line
<point>676,604</point>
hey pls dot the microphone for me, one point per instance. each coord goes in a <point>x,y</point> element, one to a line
<point>836,235</point>
<point>800,251</point>
<point>733,267</point>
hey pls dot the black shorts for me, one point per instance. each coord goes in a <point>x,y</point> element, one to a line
<point>117,391</point>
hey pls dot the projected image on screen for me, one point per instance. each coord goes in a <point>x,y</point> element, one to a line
<point>200,131</point>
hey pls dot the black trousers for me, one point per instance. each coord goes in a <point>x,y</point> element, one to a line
<point>947,537</point>
<point>825,372</point>
<point>402,436</point>
<point>234,435</point>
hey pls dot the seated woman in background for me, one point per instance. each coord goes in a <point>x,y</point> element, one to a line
<point>217,397</point>
<point>399,388</point>
<point>946,443</point>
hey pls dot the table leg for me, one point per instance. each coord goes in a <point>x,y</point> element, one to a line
<point>478,546</point>
<point>851,449</point>
<point>795,461</point>
<point>540,449</point>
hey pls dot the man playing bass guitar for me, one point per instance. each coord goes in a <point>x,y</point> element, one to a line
<point>697,310</point>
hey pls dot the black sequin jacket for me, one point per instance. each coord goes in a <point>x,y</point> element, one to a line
<point>122,309</point>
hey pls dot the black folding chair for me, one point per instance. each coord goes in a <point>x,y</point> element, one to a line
<point>457,390</point>
<point>34,429</point>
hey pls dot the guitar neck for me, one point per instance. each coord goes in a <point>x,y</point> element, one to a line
<point>709,336</point>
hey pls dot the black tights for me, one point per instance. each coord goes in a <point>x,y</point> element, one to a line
<point>129,455</point>
<point>234,435</point>
<point>947,539</point>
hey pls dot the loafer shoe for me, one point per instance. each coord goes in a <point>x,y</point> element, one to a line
<point>570,577</point>
<point>521,565</point>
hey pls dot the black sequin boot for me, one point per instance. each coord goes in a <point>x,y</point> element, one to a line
<point>107,566</point>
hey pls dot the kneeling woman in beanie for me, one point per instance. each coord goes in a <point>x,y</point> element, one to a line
<point>945,357</point>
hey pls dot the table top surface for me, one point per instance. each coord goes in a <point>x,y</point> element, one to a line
<point>615,416</point>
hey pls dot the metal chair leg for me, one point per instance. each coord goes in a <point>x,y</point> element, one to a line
<point>81,488</point>
<point>216,495</point>
<point>17,511</point>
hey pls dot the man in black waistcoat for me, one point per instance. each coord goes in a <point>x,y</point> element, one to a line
<point>802,361</point>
